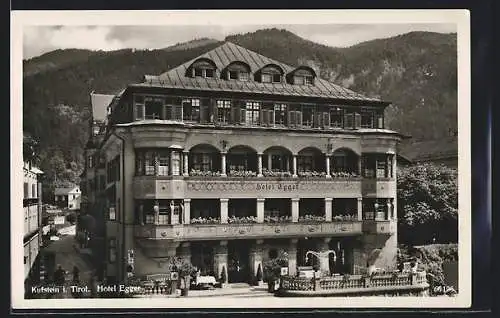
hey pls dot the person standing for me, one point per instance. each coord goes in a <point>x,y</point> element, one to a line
<point>76,274</point>
<point>59,275</point>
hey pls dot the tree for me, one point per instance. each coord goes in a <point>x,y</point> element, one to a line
<point>427,204</point>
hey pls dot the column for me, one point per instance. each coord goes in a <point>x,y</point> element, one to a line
<point>324,263</point>
<point>171,163</point>
<point>187,211</point>
<point>186,163</point>
<point>269,162</point>
<point>389,209</point>
<point>328,209</point>
<point>294,166</point>
<point>359,165</point>
<point>256,259</point>
<point>223,210</point>
<point>141,214</point>
<point>157,212</point>
<point>394,166</point>
<point>259,165</point>
<point>157,163</point>
<point>295,209</point>
<point>292,257</point>
<point>328,175</point>
<point>185,252</point>
<point>174,218</point>
<point>287,164</point>
<point>360,209</point>
<point>388,166</point>
<point>260,210</point>
<point>220,261</point>
<point>223,164</point>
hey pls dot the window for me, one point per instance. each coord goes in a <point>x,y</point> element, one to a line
<point>308,80</point>
<point>174,109</point>
<point>112,250</point>
<point>243,76</point>
<point>163,163</point>
<point>26,190</point>
<point>299,80</point>
<point>209,73</point>
<point>224,111</point>
<point>280,114</point>
<point>278,163</point>
<point>307,116</point>
<point>266,78</point>
<point>349,120</point>
<point>33,191</point>
<point>252,113</point>
<point>277,78</point>
<point>294,118</point>
<point>176,163</point>
<point>202,161</point>
<point>139,107</point>
<point>239,162</point>
<point>154,107</point>
<point>149,161</point>
<point>336,117</point>
<point>367,119</point>
<point>305,163</point>
<point>382,169</point>
<point>198,72</point>
<point>191,109</point>
<point>233,74</point>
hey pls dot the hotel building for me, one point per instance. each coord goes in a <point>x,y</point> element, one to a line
<point>234,158</point>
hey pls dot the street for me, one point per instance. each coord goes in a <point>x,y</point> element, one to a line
<point>67,256</point>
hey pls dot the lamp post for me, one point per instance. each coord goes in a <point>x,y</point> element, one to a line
<point>323,258</point>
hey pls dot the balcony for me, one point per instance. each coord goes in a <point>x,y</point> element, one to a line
<point>379,226</point>
<point>245,231</point>
<point>150,187</point>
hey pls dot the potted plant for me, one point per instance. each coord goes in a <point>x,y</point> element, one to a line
<point>186,270</point>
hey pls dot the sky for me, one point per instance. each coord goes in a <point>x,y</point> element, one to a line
<point>38,40</point>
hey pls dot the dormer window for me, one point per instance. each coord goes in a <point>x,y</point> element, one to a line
<point>303,75</point>
<point>270,74</point>
<point>237,71</point>
<point>267,78</point>
<point>202,68</point>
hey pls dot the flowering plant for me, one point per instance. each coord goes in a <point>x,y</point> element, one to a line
<point>271,173</point>
<point>246,173</point>
<point>209,220</point>
<point>277,219</point>
<point>310,217</point>
<point>242,219</point>
<point>344,174</point>
<point>200,173</point>
<point>311,174</point>
<point>348,217</point>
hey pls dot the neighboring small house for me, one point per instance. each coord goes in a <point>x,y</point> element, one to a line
<point>440,151</point>
<point>68,197</point>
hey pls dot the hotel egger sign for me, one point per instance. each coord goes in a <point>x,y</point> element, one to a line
<point>278,188</point>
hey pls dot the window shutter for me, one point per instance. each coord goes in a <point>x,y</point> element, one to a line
<point>242,116</point>
<point>357,120</point>
<point>271,117</point>
<point>291,118</point>
<point>213,113</point>
<point>319,120</point>
<point>298,118</point>
<point>326,119</point>
<point>380,121</point>
<point>264,117</point>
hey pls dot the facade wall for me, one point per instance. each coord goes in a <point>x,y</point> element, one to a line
<point>32,216</point>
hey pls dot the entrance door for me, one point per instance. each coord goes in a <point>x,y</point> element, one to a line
<point>238,261</point>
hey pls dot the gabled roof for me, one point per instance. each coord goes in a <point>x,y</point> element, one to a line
<point>64,191</point>
<point>429,150</point>
<point>100,102</point>
<point>228,52</point>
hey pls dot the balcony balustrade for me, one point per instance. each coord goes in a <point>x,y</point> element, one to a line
<point>379,226</point>
<point>207,231</point>
<point>150,187</point>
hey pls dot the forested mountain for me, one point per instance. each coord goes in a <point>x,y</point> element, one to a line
<point>417,72</point>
